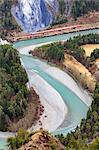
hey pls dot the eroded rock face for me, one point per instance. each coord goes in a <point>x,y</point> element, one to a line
<point>34,15</point>
<point>42,140</point>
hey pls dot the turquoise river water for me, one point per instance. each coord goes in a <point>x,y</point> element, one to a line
<point>77,108</point>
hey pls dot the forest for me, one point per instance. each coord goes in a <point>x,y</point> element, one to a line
<point>79,8</point>
<point>13,89</point>
<point>73,45</point>
<point>55,51</point>
<point>82,7</point>
<point>7,21</point>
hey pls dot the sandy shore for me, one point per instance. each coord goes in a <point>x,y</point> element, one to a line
<point>53,115</point>
<point>63,77</point>
<point>53,106</point>
<point>5,135</point>
<point>25,50</point>
<point>68,81</point>
<point>55,109</point>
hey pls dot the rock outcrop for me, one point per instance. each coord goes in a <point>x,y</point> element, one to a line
<point>34,15</point>
<point>42,140</point>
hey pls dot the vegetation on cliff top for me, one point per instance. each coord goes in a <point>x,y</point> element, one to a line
<point>79,8</point>
<point>51,52</point>
<point>37,140</point>
<point>73,45</point>
<point>17,141</point>
<point>18,104</point>
<point>13,90</point>
<point>55,52</point>
<point>95,54</point>
<point>7,22</point>
<point>82,7</point>
<point>76,8</point>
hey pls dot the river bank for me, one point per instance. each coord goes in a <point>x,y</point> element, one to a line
<point>83,111</point>
<point>51,32</point>
<point>55,109</point>
<point>78,71</point>
<point>32,114</point>
<point>40,71</point>
<point>60,75</point>
<point>82,76</point>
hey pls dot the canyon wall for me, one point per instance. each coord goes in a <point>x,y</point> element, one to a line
<point>34,15</point>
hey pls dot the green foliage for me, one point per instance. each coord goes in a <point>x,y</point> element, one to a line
<point>2,119</point>
<point>59,20</point>
<point>6,20</point>
<point>51,52</point>
<point>88,130</point>
<point>73,45</point>
<point>95,54</point>
<point>61,6</point>
<point>81,7</point>
<point>61,17</point>
<point>13,90</point>
<point>55,52</point>
<point>21,138</point>
<point>94,145</point>
<point>52,146</point>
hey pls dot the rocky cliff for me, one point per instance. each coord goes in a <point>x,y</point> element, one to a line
<point>34,15</point>
<point>42,140</point>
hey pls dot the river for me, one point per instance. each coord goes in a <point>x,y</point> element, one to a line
<point>77,108</point>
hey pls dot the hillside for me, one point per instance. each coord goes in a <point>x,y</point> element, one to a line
<point>40,140</point>
<point>49,12</point>
<point>70,56</point>
<point>22,111</point>
<point>7,21</point>
<point>17,103</point>
<point>34,16</point>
